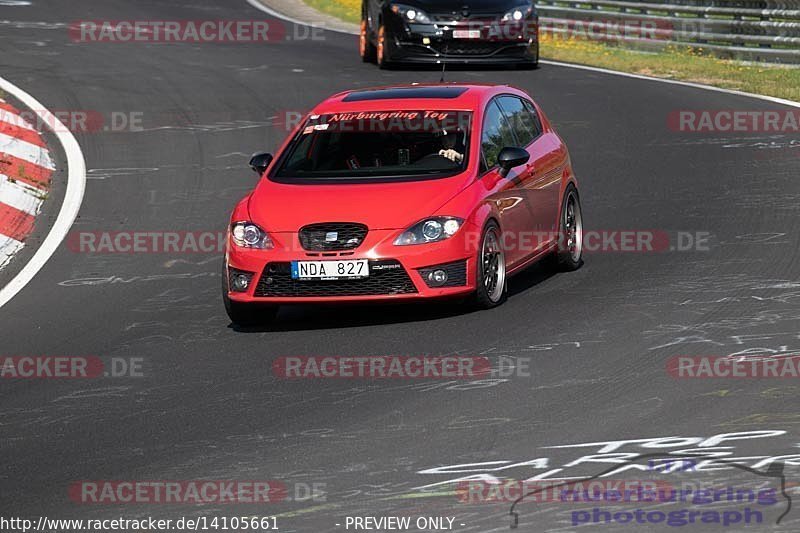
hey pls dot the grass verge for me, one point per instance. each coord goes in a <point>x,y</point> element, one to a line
<point>347,10</point>
<point>678,63</point>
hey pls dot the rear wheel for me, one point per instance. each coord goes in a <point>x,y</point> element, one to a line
<point>533,64</point>
<point>245,314</point>
<point>570,242</point>
<point>366,48</point>
<point>382,55</point>
<point>491,286</point>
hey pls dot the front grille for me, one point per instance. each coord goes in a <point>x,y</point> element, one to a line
<point>332,236</point>
<point>456,273</point>
<point>476,48</point>
<point>386,277</point>
<point>457,16</point>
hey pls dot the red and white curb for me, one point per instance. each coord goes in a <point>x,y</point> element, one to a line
<point>25,172</point>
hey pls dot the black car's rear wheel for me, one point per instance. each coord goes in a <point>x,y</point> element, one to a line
<point>366,48</point>
<point>382,51</point>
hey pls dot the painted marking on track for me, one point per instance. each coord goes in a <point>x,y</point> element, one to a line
<point>8,247</point>
<point>73,197</point>
<point>21,148</point>
<point>25,151</point>
<point>19,196</point>
<point>9,116</point>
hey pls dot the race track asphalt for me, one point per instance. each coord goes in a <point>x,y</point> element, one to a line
<point>208,406</point>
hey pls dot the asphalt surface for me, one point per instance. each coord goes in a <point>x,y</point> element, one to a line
<point>208,406</point>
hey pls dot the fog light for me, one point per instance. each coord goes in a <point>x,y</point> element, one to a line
<point>437,278</point>
<point>241,282</point>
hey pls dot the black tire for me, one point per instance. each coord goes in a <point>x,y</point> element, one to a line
<point>245,314</point>
<point>568,258</point>
<point>382,50</point>
<point>367,48</point>
<point>486,297</point>
<point>531,65</point>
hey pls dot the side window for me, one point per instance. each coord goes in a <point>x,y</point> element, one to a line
<point>537,122</point>
<point>522,121</point>
<point>497,134</point>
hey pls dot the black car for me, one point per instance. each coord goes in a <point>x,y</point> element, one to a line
<point>449,31</point>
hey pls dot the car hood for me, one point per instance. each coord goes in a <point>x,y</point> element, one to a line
<point>281,207</point>
<point>473,6</point>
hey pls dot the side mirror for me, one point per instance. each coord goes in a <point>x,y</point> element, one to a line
<point>511,157</point>
<point>260,161</point>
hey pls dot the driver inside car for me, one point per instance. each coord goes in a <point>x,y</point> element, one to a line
<point>450,148</point>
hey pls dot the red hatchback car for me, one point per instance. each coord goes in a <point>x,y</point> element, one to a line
<point>403,193</point>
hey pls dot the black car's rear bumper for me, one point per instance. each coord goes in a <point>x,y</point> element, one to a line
<point>435,43</point>
<point>467,53</point>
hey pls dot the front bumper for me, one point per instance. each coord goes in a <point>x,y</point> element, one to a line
<point>396,272</point>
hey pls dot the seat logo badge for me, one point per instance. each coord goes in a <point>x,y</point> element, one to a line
<point>332,236</point>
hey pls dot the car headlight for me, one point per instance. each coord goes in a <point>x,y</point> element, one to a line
<point>432,229</point>
<point>411,14</point>
<point>248,235</point>
<point>517,14</point>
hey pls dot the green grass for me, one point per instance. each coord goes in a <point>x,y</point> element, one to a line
<point>679,63</point>
<point>348,10</point>
<point>685,64</point>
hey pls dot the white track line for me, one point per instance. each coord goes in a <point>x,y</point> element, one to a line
<point>20,196</point>
<point>256,4</point>
<point>269,11</point>
<point>26,151</point>
<point>76,185</point>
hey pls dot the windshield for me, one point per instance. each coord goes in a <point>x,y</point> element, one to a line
<point>382,144</point>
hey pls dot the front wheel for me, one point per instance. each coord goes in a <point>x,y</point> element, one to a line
<point>245,314</point>
<point>570,241</point>
<point>491,284</point>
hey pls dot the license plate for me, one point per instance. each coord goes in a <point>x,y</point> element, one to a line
<point>330,270</point>
<point>466,34</point>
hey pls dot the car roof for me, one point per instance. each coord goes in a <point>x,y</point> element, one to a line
<point>445,96</point>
